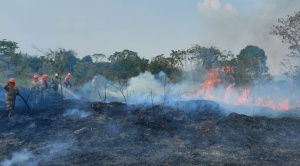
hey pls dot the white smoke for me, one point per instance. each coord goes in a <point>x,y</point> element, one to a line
<point>22,157</point>
<point>45,154</point>
<point>149,89</point>
<point>76,113</point>
<point>232,27</point>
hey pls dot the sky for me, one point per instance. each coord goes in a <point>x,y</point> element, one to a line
<point>148,27</point>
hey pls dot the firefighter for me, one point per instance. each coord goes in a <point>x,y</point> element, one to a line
<point>67,80</point>
<point>55,82</point>
<point>35,88</point>
<point>95,82</point>
<point>11,93</point>
<point>43,81</point>
<point>44,85</point>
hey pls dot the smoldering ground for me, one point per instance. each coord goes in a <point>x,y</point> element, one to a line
<point>159,123</point>
<point>192,133</point>
<point>51,152</point>
<point>278,95</point>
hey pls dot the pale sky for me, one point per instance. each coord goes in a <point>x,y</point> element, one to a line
<point>148,27</point>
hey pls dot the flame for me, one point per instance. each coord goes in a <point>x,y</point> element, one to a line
<point>212,79</point>
<point>228,92</point>
<point>245,97</point>
<point>282,105</point>
<point>270,104</point>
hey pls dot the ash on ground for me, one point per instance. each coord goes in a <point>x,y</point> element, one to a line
<point>198,132</point>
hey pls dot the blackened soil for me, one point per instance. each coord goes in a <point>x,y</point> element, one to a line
<point>71,132</point>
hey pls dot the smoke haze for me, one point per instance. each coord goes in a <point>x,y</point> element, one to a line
<point>105,26</point>
<point>148,89</point>
<point>232,27</point>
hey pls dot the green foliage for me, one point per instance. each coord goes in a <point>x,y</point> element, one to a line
<point>126,64</point>
<point>83,72</point>
<point>34,63</point>
<point>98,57</point>
<point>206,57</point>
<point>62,60</point>
<point>87,59</point>
<point>22,66</point>
<point>177,58</point>
<point>250,66</point>
<point>7,47</point>
<point>166,65</point>
<point>8,57</point>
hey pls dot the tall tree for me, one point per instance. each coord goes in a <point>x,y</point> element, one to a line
<point>250,66</point>
<point>84,72</point>
<point>87,59</point>
<point>166,65</point>
<point>126,64</point>
<point>98,57</point>
<point>288,30</point>
<point>8,53</point>
<point>34,63</point>
<point>7,47</point>
<point>178,58</point>
<point>62,60</point>
<point>205,57</point>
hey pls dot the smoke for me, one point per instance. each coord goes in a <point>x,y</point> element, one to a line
<point>22,157</point>
<point>269,99</point>
<point>234,27</point>
<point>147,88</point>
<point>142,89</point>
<point>76,113</point>
<point>45,154</point>
<point>104,90</point>
<point>278,98</point>
<point>67,93</point>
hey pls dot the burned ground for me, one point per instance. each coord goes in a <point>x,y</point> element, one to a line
<point>198,132</point>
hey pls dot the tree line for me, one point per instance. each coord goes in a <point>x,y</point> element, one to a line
<point>246,68</point>
<point>127,64</point>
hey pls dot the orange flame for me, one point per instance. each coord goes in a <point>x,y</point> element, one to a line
<point>245,96</point>
<point>211,80</point>
<point>228,92</point>
<point>283,105</point>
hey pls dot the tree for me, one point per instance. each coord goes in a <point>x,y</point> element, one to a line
<point>291,66</point>
<point>289,31</point>
<point>62,60</point>
<point>161,63</point>
<point>22,66</point>
<point>208,58</point>
<point>83,72</point>
<point>8,53</point>
<point>87,59</point>
<point>7,47</point>
<point>34,63</point>
<point>178,58</point>
<point>250,66</point>
<point>127,64</point>
<point>98,57</point>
